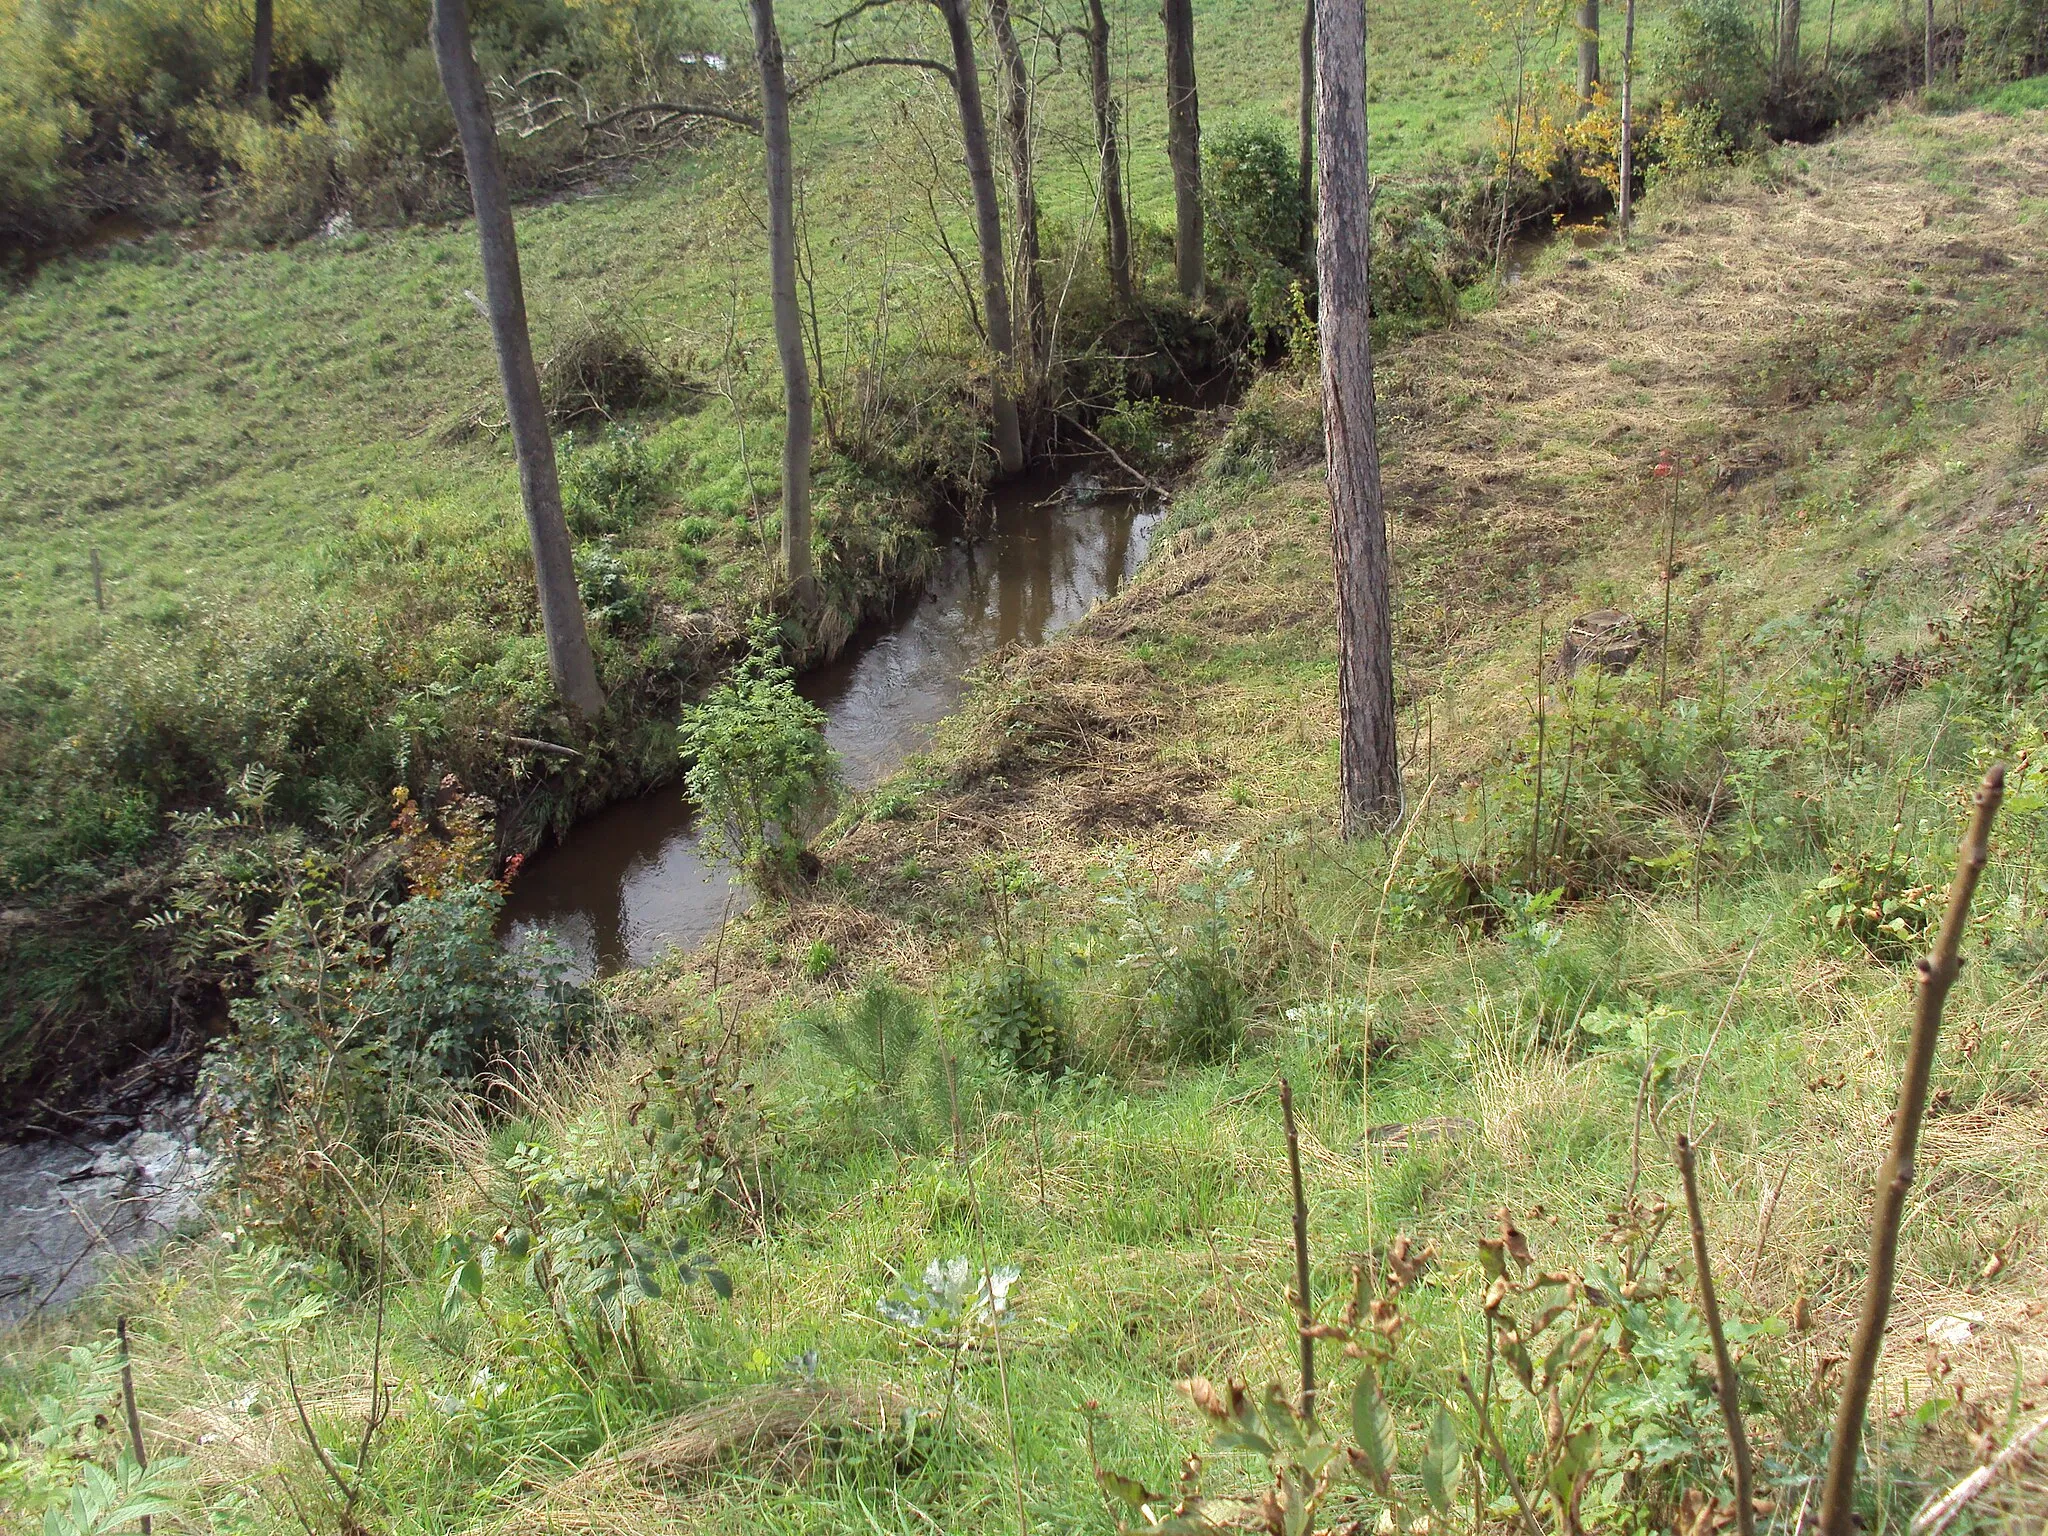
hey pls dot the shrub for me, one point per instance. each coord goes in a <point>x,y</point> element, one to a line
<point>760,771</point>
<point>1187,995</point>
<point>285,178</point>
<point>2000,643</point>
<point>608,597</point>
<point>1017,1015</point>
<point>609,483</point>
<point>1714,56</point>
<point>1254,217</point>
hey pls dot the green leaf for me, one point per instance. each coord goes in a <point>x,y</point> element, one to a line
<point>1440,1461</point>
<point>1374,1428</point>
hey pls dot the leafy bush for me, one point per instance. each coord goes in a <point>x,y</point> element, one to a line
<point>1187,994</point>
<point>1017,1015</point>
<point>608,597</point>
<point>609,483</point>
<point>2000,642</point>
<point>1876,901</point>
<point>2003,40</point>
<point>1253,217</point>
<point>285,168</point>
<point>760,771</point>
<point>1715,56</point>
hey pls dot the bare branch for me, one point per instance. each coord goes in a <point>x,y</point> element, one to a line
<point>674,109</point>
<point>798,92</point>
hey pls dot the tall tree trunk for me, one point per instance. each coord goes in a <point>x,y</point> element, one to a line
<point>1589,51</point>
<point>260,49</point>
<point>1116,221</point>
<point>1369,765</point>
<point>1927,49</point>
<point>540,488</point>
<point>1015,84</point>
<point>1628,117</point>
<point>789,320</point>
<point>1788,44</point>
<point>1307,123</point>
<point>988,232</point>
<point>1184,146</point>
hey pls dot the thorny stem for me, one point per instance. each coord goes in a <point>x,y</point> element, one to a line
<point>1727,1385</point>
<point>1303,1307</point>
<point>1937,975</point>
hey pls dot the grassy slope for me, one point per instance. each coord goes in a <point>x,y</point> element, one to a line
<point>212,420</point>
<point>1847,356</point>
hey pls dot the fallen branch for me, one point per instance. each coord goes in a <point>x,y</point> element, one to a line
<point>906,61</point>
<point>1935,1518</point>
<point>1118,459</point>
<point>534,744</point>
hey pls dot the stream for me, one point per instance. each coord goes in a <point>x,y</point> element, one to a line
<point>633,881</point>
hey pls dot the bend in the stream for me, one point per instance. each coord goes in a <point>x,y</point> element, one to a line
<point>632,881</point>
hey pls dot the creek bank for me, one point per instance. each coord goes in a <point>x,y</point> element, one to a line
<point>632,881</point>
<point>70,1208</point>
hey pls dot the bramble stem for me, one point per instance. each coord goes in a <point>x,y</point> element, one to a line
<point>1937,975</point>
<point>1727,1385</point>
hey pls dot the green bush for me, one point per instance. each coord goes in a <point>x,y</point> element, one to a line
<point>760,771</point>
<point>609,483</point>
<point>284,182</point>
<point>1017,1015</point>
<point>2004,40</point>
<point>1254,217</point>
<point>1714,55</point>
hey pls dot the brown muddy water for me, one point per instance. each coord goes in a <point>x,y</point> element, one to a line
<point>632,881</point>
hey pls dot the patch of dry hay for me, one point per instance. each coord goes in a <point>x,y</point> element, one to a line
<point>772,1433</point>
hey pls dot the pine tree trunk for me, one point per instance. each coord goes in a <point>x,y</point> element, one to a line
<point>1589,51</point>
<point>540,488</point>
<point>1369,768</point>
<point>1016,120</point>
<point>789,322</point>
<point>1307,123</point>
<point>1116,221</point>
<point>260,50</point>
<point>1184,146</point>
<point>988,230</point>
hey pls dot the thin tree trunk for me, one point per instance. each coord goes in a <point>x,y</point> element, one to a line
<point>1369,768</point>
<point>1116,221</point>
<point>1184,146</point>
<point>988,232</point>
<point>789,321</point>
<point>1627,191</point>
<point>1589,51</point>
<point>261,47</point>
<point>1016,120</point>
<point>1307,117</point>
<point>1788,44</point>
<point>540,489</point>
<point>1927,48</point>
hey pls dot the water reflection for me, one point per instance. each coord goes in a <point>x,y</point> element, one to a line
<point>631,881</point>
